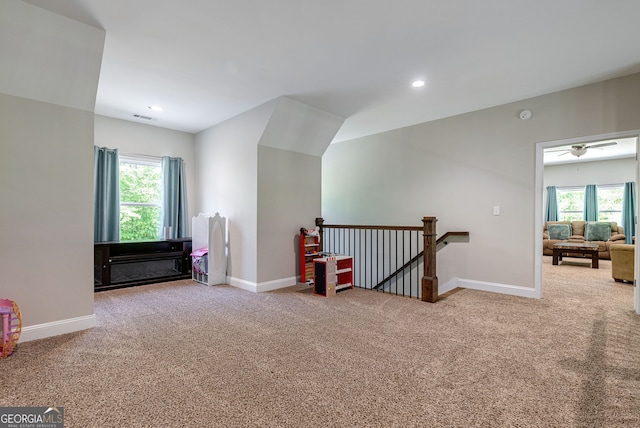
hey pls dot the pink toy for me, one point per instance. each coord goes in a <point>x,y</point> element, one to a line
<point>11,326</point>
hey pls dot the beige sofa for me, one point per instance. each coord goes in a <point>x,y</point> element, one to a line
<point>577,234</point>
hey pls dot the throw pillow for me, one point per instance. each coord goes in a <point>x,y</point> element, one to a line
<point>559,231</point>
<point>597,231</point>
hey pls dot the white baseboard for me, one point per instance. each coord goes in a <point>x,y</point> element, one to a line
<point>448,286</point>
<point>276,284</point>
<point>241,283</point>
<point>513,290</point>
<point>56,328</point>
<point>262,286</point>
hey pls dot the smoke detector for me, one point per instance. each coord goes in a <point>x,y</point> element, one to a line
<point>525,115</point>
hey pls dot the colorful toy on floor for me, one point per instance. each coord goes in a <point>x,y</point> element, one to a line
<point>11,326</point>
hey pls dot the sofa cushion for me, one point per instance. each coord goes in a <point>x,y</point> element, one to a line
<point>617,237</point>
<point>597,231</point>
<point>559,231</point>
<point>547,224</point>
<point>577,227</point>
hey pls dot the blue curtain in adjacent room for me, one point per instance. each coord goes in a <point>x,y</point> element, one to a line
<point>552,204</point>
<point>629,211</point>
<point>591,202</point>
<point>174,198</point>
<point>106,195</point>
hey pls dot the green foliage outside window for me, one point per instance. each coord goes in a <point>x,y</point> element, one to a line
<point>571,203</point>
<point>140,193</point>
<point>610,204</point>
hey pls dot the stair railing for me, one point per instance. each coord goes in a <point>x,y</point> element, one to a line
<point>394,253</point>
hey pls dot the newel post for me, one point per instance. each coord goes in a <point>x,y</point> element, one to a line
<point>320,225</point>
<point>429,279</point>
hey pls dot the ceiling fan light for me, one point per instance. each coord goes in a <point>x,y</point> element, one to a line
<point>578,151</point>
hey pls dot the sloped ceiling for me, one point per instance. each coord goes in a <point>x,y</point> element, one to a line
<point>56,61</point>
<point>299,128</point>
<point>205,61</point>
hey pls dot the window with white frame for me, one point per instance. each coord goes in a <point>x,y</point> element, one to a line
<point>610,199</point>
<point>571,203</point>
<point>140,198</point>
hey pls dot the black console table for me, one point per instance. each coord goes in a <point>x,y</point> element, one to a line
<point>125,264</point>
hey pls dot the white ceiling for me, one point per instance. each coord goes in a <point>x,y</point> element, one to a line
<point>205,61</point>
<point>618,148</point>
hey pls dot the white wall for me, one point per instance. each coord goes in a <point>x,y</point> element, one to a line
<point>458,168</point>
<point>140,139</point>
<point>227,159</point>
<point>614,171</point>
<point>289,183</point>
<point>48,57</point>
<point>288,199</point>
<point>46,244</point>
<point>48,83</point>
<point>249,173</point>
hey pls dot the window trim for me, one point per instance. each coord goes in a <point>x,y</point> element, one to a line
<point>612,186</point>
<point>141,159</point>
<point>144,160</point>
<point>567,189</point>
<point>560,189</point>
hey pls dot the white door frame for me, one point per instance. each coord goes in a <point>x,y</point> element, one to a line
<point>539,204</point>
<point>636,294</point>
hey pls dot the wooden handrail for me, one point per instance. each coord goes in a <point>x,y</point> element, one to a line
<point>431,245</point>
<point>353,226</point>
<point>444,237</point>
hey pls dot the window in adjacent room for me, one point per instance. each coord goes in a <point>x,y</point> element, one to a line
<point>140,198</point>
<point>610,202</point>
<point>571,203</point>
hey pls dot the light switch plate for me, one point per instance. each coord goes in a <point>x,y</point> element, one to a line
<point>496,210</point>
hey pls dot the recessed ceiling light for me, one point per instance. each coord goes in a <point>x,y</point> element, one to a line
<point>418,83</point>
<point>156,108</point>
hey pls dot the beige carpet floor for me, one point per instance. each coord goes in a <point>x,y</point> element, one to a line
<point>181,354</point>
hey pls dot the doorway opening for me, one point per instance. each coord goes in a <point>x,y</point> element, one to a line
<point>602,159</point>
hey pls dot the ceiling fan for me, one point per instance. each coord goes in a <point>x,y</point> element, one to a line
<point>579,149</point>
